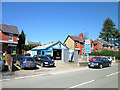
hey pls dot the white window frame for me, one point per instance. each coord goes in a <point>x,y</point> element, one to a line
<point>10,37</point>
<point>76,44</point>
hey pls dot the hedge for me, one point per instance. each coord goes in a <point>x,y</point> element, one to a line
<point>107,53</point>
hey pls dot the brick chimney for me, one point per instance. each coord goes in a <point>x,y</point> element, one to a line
<point>97,40</point>
<point>81,35</point>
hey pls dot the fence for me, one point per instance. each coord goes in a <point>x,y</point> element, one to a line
<point>84,57</point>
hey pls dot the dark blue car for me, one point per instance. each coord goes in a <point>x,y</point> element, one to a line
<point>26,62</point>
<point>100,63</point>
<point>44,60</point>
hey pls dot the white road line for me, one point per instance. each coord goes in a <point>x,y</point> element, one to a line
<point>19,77</point>
<point>82,84</point>
<point>68,71</point>
<point>30,76</point>
<point>112,74</point>
<point>5,79</point>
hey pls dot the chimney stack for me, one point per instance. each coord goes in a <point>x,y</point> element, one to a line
<point>81,35</point>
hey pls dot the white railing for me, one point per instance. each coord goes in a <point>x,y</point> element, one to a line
<point>85,57</point>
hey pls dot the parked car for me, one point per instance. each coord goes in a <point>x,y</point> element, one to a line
<point>44,60</point>
<point>94,58</point>
<point>51,57</point>
<point>110,58</point>
<point>2,64</point>
<point>100,63</point>
<point>26,62</point>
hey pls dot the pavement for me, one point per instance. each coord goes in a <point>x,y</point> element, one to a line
<point>68,79</point>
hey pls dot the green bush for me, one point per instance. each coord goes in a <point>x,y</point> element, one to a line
<point>107,53</point>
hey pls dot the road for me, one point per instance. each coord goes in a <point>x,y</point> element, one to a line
<point>88,78</point>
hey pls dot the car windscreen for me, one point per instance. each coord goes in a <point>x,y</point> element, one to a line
<point>98,60</point>
<point>44,58</point>
<point>29,59</point>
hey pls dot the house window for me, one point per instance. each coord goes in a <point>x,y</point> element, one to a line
<point>76,44</point>
<point>78,52</point>
<point>10,37</point>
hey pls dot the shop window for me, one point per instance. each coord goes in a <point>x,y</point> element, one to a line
<point>48,52</point>
<point>38,52</point>
<point>10,37</point>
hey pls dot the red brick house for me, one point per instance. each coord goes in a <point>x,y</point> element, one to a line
<point>100,45</point>
<point>75,43</point>
<point>78,43</point>
<point>8,38</point>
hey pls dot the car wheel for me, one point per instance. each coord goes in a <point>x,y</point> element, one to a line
<point>89,66</point>
<point>35,67</point>
<point>101,66</point>
<point>109,65</point>
<point>42,64</point>
<point>53,65</point>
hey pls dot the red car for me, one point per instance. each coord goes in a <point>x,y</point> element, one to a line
<point>94,58</point>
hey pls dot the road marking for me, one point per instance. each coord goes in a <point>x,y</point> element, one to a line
<point>81,84</point>
<point>68,71</point>
<point>112,74</point>
<point>30,76</point>
<point>5,79</point>
<point>19,77</point>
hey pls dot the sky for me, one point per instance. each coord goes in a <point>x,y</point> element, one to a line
<point>52,21</point>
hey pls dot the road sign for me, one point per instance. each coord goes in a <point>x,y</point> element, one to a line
<point>87,46</point>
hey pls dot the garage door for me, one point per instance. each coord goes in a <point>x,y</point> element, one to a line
<point>57,54</point>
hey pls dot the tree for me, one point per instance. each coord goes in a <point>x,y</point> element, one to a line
<point>28,47</point>
<point>108,27</point>
<point>118,39</point>
<point>21,41</point>
<point>115,36</point>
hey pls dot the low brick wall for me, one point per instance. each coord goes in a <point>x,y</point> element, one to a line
<point>82,63</point>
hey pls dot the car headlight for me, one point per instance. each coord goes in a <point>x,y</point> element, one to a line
<point>89,63</point>
<point>46,62</point>
<point>96,63</point>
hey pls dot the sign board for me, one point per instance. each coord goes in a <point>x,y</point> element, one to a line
<point>87,46</point>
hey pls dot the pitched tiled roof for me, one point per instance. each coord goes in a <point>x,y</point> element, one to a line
<point>9,29</point>
<point>75,38</point>
<point>47,46</point>
<point>105,43</point>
